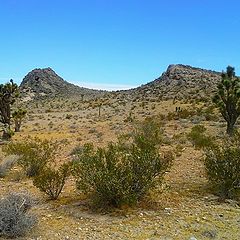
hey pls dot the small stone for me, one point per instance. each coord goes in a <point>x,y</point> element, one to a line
<point>192,238</point>
<point>167,210</point>
<point>210,234</point>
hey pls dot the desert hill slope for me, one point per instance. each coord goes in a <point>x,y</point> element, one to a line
<point>181,82</point>
<point>45,82</point>
<point>178,81</point>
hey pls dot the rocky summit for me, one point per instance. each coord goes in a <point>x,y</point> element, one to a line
<point>181,82</point>
<point>45,82</point>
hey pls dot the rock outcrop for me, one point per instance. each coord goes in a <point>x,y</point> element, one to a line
<point>45,82</point>
<point>181,82</point>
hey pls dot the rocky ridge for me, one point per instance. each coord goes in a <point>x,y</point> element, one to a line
<point>181,82</point>
<point>45,82</point>
<point>178,82</point>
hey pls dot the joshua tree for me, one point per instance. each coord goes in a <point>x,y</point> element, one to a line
<point>18,116</point>
<point>227,98</point>
<point>8,94</point>
<point>99,108</point>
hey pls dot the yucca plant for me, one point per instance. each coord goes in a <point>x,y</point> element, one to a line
<point>227,98</point>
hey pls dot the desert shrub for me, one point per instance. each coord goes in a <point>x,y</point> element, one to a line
<point>222,164</point>
<point>198,137</point>
<point>185,113</point>
<point>51,181</point>
<point>14,217</point>
<point>234,140</point>
<point>68,116</point>
<point>34,154</point>
<point>178,150</point>
<point>151,129</point>
<point>7,164</point>
<point>209,114</point>
<point>180,138</point>
<point>121,173</point>
<point>170,116</point>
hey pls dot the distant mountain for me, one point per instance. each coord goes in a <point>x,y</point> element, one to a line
<point>45,82</point>
<point>180,82</point>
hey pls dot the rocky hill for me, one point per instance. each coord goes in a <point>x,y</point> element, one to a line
<point>45,82</point>
<point>180,82</point>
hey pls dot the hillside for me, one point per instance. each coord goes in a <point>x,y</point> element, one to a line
<point>177,82</point>
<point>183,206</point>
<point>45,82</point>
<point>180,82</point>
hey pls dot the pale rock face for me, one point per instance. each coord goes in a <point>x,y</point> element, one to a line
<point>182,82</point>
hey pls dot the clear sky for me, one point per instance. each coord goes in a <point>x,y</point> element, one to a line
<point>116,43</point>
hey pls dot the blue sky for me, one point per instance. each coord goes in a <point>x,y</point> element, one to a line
<point>116,43</point>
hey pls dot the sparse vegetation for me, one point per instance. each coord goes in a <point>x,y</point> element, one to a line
<point>222,164</point>
<point>121,173</point>
<point>34,154</point>
<point>198,137</point>
<point>15,220</point>
<point>7,164</point>
<point>129,172</point>
<point>18,116</point>
<point>51,181</point>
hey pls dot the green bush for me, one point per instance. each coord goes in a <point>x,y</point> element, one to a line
<point>198,138</point>
<point>222,165</point>
<point>209,114</point>
<point>186,114</point>
<point>151,130</point>
<point>121,173</point>
<point>34,154</point>
<point>51,181</point>
<point>182,114</point>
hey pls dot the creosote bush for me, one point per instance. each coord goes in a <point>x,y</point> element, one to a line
<point>222,164</point>
<point>34,154</point>
<point>15,220</point>
<point>121,173</point>
<point>198,137</point>
<point>51,181</point>
<point>37,158</point>
<point>151,129</point>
